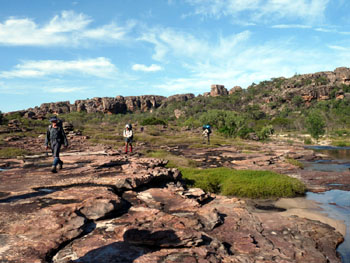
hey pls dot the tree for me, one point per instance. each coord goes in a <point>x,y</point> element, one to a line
<point>1,117</point>
<point>315,125</point>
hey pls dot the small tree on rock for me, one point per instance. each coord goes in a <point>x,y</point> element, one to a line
<point>315,125</point>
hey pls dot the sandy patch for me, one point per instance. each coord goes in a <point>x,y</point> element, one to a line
<point>309,209</point>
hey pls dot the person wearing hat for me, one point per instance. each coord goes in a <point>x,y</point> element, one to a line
<point>128,135</point>
<point>55,137</point>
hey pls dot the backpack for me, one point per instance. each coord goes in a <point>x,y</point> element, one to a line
<point>207,127</point>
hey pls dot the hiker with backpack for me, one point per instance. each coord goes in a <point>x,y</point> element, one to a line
<point>128,135</point>
<point>55,137</point>
<point>206,133</point>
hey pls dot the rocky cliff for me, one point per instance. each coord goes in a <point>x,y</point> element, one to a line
<point>309,87</point>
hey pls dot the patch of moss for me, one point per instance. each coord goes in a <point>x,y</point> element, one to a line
<point>243,183</point>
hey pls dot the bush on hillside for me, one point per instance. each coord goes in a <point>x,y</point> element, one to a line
<point>226,122</point>
<point>153,121</point>
<point>315,125</point>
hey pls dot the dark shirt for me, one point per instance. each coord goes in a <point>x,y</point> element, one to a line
<point>55,135</point>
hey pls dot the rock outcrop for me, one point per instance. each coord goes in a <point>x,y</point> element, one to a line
<point>235,89</point>
<point>106,105</point>
<point>270,94</point>
<point>105,207</point>
<point>218,90</point>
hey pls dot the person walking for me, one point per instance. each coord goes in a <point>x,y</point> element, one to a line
<point>206,133</point>
<point>128,136</point>
<point>55,137</point>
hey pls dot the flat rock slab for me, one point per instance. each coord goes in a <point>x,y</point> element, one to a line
<point>117,208</point>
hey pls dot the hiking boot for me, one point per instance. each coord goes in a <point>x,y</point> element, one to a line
<point>53,170</point>
<point>60,165</point>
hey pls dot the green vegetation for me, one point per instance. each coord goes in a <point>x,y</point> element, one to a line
<point>153,121</point>
<point>294,162</point>
<point>243,183</point>
<point>315,125</point>
<point>341,143</point>
<point>10,152</point>
<point>307,141</point>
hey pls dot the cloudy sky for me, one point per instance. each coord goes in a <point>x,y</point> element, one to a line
<point>57,50</point>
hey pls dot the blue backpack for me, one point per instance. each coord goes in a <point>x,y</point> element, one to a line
<point>207,127</point>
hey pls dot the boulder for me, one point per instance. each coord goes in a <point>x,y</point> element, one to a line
<point>218,90</point>
<point>235,89</point>
<point>178,113</point>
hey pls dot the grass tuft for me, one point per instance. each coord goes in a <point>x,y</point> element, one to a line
<point>295,162</point>
<point>10,152</point>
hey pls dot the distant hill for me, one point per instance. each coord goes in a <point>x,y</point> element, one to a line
<point>280,103</point>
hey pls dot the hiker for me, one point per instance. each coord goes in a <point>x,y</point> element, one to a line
<point>128,135</point>
<point>206,133</point>
<point>55,137</point>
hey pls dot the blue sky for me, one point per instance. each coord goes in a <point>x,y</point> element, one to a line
<point>58,50</point>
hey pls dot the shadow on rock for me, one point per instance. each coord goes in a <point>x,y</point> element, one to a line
<point>156,239</point>
<point>118,252</point>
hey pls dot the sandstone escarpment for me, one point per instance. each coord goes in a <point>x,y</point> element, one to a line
<point>277,93</point>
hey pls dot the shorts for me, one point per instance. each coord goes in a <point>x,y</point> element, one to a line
<point>128,140</point>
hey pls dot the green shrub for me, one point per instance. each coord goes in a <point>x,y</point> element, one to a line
<point>281,123</point>
<point>307,141</point>
<point>265,132</point>
<point>243,183</point>
<point>322,80</point>
<point>153,121</point>
<point>315,125</point>
<point>191,123</point>
<point>226,122</point>
<point>341,143</point>
<point>244,132</point>
<point>297,101</point>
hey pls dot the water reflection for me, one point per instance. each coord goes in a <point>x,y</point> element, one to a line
<point>340,153</point>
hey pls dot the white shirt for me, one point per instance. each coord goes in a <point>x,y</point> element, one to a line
<point>127,133</point>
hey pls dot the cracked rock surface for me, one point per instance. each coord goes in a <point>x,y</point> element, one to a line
<point>113,208</point>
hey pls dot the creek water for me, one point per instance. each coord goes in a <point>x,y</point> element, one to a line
<point>335,203</point>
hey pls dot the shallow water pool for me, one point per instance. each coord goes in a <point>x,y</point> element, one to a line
<point>336,203</point>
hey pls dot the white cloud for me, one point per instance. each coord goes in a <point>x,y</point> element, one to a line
<point>283,26</point>
<point>170,43</point>
<point>63,89</point>
<point>262,10</point>
<point>152,68</point>
<point>98,67</point>
<point>68,21</point>
<point>234,59</point>
<point>339,48</point>
<point>68,28</point>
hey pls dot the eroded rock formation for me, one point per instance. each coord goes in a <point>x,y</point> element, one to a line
<point>309,87</point>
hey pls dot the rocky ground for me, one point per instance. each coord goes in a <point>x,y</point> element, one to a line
<point>109,207</point>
